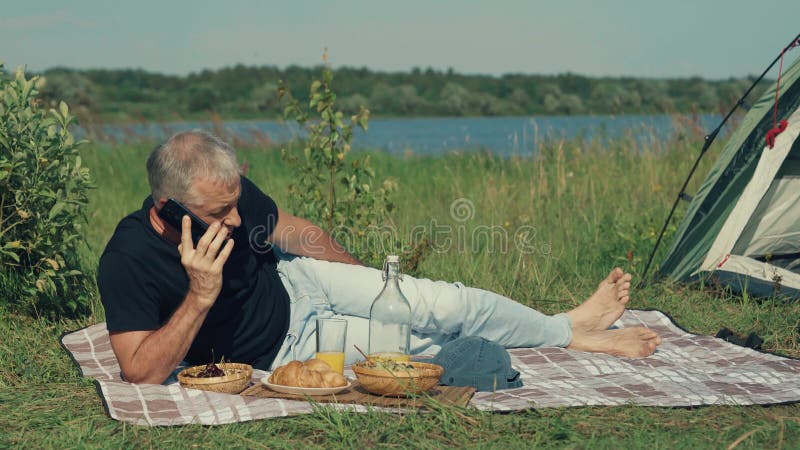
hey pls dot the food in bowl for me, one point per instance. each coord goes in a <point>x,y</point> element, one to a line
<point>235,377</point>
<point>313,373</point>
<point>397,379</point>
<point>211,370</point>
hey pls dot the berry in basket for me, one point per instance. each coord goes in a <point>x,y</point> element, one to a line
<point>233,379</point>
<point>211,370</point>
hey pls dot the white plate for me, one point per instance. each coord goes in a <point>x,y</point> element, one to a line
<point>304,391</point>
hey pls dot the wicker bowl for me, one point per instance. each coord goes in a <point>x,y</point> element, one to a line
<point>236,378</point>
<point>398,382</point>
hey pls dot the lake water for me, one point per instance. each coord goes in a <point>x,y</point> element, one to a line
<point>500,135</point>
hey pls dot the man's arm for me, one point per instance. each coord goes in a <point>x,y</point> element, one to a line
<point>300,237</point>
<point>150,356</point>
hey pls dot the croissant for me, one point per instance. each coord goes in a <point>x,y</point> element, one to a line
<point>285,375</point>
<point>314,373</point>
<point>311,378</point>
<point>318,365</point>
<point>333,379</point>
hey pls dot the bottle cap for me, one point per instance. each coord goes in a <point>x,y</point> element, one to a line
<point>392,259</point>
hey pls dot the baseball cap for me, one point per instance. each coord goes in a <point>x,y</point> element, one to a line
<point>477,362</point>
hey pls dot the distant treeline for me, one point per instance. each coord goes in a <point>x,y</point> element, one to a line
<point>243,92</point>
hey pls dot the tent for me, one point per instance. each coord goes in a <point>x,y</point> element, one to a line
<point>742,228</point>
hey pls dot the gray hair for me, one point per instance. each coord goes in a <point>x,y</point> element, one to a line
<point>173,166</point>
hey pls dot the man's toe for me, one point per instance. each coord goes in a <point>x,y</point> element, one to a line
<point>614,275</point>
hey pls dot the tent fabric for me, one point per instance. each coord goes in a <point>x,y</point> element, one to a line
<point>758,278</point>
<point>773,228</point>
<point>770,230</point>
<point>750,201</point>
<point>720,192</point>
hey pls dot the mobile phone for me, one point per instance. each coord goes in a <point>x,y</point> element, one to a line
<point>173,211</point>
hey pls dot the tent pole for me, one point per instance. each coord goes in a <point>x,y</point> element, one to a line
<point>709,139</point>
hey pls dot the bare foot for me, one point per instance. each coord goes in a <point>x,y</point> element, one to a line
<point>634,342</point>
<point>605,306</point>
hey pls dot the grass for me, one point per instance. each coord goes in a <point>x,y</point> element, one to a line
<point>589,204</point>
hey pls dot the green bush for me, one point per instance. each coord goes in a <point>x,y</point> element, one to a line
<point>43,190</point>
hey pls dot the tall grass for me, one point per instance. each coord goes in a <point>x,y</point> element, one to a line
<point>592,205</point>
<point>585,205</point>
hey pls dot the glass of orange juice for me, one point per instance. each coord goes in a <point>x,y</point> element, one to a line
<point>331,335</point>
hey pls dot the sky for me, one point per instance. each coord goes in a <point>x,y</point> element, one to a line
<point>642,38</point>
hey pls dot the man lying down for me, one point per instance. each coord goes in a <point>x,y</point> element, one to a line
<point>252,286</point>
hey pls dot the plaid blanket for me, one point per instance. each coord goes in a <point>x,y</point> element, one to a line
<point>686,370</point>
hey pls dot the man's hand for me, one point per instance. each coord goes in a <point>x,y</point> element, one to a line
<point>203,264</point>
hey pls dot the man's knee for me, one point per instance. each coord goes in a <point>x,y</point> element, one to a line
<point>438,306</point>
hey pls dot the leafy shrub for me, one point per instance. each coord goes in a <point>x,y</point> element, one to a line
<point>335,190</point>
<point>43,189</point>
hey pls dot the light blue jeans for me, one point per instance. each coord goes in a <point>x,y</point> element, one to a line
<point>440,311</point>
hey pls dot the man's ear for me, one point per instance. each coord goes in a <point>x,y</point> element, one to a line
<point>160,203</point>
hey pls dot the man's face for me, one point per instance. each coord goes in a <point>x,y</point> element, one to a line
<point>217,203</point>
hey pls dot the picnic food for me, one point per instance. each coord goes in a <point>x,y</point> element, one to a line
<point>390,356</point>
<point>317,365</point>
<point>233,380</point>
<point>397,379</point>
<point>388,365</point>
<point>314,373</point>
<point>211,370</point>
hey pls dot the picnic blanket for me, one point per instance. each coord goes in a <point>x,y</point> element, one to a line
<point>686,370</point>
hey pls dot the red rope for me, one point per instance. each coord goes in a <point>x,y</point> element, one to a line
<point>774,132</point>
<point>778,127</point>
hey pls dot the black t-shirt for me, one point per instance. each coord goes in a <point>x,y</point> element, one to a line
<point>142,282</point>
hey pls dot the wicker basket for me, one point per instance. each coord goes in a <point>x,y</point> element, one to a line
<point>400,382</point>
<point>236,378</point>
